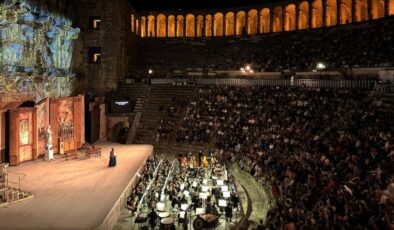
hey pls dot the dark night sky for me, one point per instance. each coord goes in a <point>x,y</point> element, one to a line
<point>192,4</point>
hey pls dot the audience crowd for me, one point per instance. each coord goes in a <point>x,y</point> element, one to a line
<point>326,154</point>
<point>368,44</point>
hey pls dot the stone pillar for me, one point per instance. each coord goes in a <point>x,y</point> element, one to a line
<point>310,10</point>
<point>272,20</point>
<point>297,17</point>
<point>338,12</point>
<point>247,23</point>
<point>324,6</point>
<point>184,26</point>
<point>195,26</point>
<point>353,11</point>
<point>155,27</point>
<point>283,18</point>
<point>386,8</point>
<point>259,22</point>
<point>146,27</point>
<point>176,27</point>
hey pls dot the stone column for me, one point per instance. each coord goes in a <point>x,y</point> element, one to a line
<point>259,22</point>
<point>310,14</point>
<point>338,12</point>
<point>353,11</point>
<point>176,27</point>
<point>272,20</point>
<point>223,26</point>
<point>324,6</point>
<point>386,8</point>
<point>297,16</point>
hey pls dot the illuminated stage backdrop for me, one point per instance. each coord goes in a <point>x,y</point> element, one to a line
<point>35,49</point>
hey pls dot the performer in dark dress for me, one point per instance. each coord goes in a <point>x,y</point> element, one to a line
<point>112,158</point>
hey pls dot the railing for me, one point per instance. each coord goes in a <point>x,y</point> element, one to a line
<point>351,84</point>
<point>15,182</point>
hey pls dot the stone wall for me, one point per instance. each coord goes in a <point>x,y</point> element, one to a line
<point>114,38</point>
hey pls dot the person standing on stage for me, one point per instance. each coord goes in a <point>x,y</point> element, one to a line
<point>112,158</point>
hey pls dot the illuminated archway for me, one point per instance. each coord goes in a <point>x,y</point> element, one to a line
<point>137,27</point>
<point>361,13</point>
<point>265,20</point>
<point>151,26</point>
<point>218,24</point>
<point>391,7</point>
<point>240,23</point>
<point>132,23</point>
<point>346,11</point>
<point>277,16</point>
<point>377,7</point>
<point>200,23</point>
<point>317,14</point>
<point>180,22</point>
<point>290,17</point>
<point>161,26</point>
<point>331,12</point>
<point>208,25</point>
<point>303,15</point>
<point>171,26</point>
<point>229,24</point>
<point>252,22</point>
<point>143,26</point>
<point>190,25</point>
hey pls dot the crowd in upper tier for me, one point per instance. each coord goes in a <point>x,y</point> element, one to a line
<point>326,154</point>
<point>366,45</point>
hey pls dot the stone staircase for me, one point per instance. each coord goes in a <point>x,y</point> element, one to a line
<point>8,194</point>
<point>156,97</point>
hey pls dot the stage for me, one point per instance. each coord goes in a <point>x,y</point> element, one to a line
<point>74,194</point>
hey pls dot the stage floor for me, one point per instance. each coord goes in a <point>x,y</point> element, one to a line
<point>74,194</point>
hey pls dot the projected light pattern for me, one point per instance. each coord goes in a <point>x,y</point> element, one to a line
<point>34,41</point>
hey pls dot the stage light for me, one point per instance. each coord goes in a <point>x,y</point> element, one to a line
<point>320,65</point>
<point>184,207</point>
<point>222,203</point>
<point>160,206</point>
<point>150,71</point>
<point>247,67</point>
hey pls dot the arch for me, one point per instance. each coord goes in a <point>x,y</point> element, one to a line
<point>303,15</point>
<point>345,11</point>
<point>208,25</point>
<point>277,19</point>
<point>137,27</point>
<point>317,14</point>
<point>240,23</point>
<point>132,23</point>
<point>229,24</point>
<point>265,20</point>
<point>180,23</point>
<point>331,12</point>
<point>151,26</point>
<point>161,26</point>
<point>200,24</point>
<point>218,24</point>
<point>252,22</point>
<point>290,17</point>
<point>391,7</point>
<point>143,26</point>
<point>190,25</point>
<point>171,26</point>
<point>377,8</point>
<point>361,13</point>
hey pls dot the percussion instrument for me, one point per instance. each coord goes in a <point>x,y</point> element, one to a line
<point>167,224</point>
<point>163,214</point>
<point>205,221</point>
<point>141,218</point>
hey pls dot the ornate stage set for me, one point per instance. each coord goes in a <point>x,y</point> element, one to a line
<point>38,115</point>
